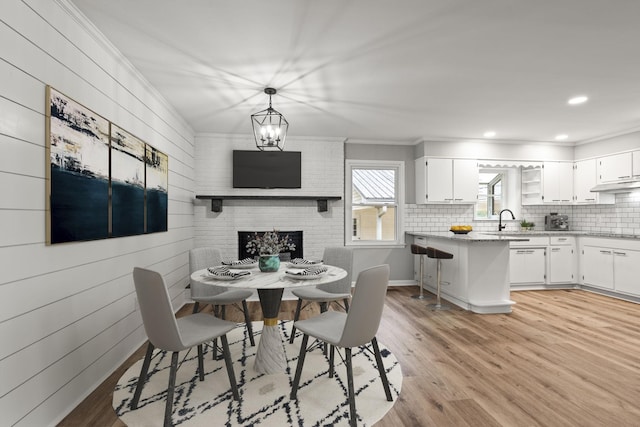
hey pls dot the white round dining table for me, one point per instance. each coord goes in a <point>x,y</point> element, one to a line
<point>270,356</point>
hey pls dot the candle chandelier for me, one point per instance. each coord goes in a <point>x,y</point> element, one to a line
<point>269,126</point>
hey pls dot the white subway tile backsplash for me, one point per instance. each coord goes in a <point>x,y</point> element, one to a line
<point>623,217</point>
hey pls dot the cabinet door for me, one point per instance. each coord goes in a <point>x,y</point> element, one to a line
<point>465,181</point>
<point>598,267</point>
<point>635,163</point>
<point>527,265</point>
<point>615,168</point>
<point>585,177</point>
<point>626,265</point>
<point>439,180</point>
<point>561,264</point>
<point>557,182</point>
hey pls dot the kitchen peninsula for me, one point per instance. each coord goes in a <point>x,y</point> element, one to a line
<point>477,278</point>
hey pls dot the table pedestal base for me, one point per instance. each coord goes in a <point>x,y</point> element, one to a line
<point>270,358</point>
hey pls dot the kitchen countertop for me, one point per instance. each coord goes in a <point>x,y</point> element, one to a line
<point>565,233</point>
<point>517,236</point>
<point>470,237</point>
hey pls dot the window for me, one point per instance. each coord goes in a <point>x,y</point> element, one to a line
<point>498,188</point>
<point>375,207</point>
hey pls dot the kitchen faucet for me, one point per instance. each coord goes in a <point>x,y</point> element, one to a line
<point>500,226</point>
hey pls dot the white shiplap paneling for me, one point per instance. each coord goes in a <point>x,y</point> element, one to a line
<point>68,315</point>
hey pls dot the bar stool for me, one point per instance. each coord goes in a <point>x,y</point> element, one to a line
<point>439,256</point>
<point>421,251</point>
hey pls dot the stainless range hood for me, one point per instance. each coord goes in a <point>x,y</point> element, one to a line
<point>616,187</point>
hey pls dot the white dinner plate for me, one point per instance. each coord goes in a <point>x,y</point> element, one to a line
<point>304,276</point>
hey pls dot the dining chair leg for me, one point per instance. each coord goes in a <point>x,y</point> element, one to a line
<point>168,408</point>
<point>247,321</point>
<point>296,317</point>
<point>346,305</point>
<point>214,355</point>
<point>196,307</point>
<point>332,358</point>
<point>383,375</point>
<point>143,377</point>
<point>227,361</point>
<point>296,378</point>
<point>200,363</point>
<point>352,398</point>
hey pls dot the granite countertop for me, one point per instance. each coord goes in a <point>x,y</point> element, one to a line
<point>518,235</point>
<point>473,236</point>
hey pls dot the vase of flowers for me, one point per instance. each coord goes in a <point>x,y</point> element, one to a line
<point>268,246</point>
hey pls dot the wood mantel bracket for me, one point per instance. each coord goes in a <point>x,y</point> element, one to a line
<point>216,201</point>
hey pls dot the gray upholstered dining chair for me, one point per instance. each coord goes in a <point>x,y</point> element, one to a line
<point>331,292</point>
<point>219,297</point>
<point>167,333</point>
<point>356,328</point>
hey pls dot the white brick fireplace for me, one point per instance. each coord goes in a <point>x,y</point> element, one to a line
<point>322,175</point>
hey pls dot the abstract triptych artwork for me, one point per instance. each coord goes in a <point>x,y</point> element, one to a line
<point>102,181</point>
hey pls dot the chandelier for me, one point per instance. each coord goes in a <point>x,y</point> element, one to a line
<point>269,126</point>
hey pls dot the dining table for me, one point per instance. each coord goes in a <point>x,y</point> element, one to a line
<point>270,356</point>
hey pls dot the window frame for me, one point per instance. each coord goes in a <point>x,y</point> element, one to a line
<point>399,167</point>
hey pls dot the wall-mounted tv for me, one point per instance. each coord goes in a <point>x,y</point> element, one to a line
<point>266,169</point>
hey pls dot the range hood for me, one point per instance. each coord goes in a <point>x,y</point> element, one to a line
<point>617,187</point>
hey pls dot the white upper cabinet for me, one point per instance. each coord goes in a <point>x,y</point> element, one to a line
<point>557,183</point>
<point>446,180</point>
<point>615,168</point>
<point>585,177</point>
<point>636,164</point>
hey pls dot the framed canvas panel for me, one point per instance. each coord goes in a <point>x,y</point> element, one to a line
<point>127,183</point>
<point>77,171</point>
<point>157,190</point>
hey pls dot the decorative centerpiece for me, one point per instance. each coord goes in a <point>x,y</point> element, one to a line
<point>526,225</point>
<point>268,246</point>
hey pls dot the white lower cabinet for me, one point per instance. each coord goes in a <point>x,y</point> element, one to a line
<point>611,268</point>
<point>625,271</point>
<point>561,264</point>
<point>527,266</point>
<point>597,267</point>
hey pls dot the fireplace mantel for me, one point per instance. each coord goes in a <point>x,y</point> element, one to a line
<point>216,201</point>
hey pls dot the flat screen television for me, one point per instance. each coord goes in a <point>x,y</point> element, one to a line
<point>266,169</point>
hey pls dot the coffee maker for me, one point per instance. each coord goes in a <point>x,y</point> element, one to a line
<point>556,222</point>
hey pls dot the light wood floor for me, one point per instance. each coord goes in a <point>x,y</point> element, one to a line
<point>562,358</point>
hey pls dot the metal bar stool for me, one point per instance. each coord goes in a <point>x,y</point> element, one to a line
<point>439,256</point>
<point>421,251</point>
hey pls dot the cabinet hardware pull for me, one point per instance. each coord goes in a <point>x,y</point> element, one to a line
<point>620,253</point>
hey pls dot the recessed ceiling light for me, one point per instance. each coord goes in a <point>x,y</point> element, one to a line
<point>578,100</point>
<point>561,137</point>
<point>489,134</point>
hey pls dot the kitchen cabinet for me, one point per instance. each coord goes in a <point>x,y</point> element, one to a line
<point>446,181</point>
<point>585,177</point>
<point>597,267</point>
<point>625,271</point>
<point>557,183</point>
<point>612,268</point>
<point>531,180</point>
<point>527,266</point>
<point>635,164</point>
<point>615,168</point>
<point>561,260</point>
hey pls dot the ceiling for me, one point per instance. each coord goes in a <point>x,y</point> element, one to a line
<point>389,71</point>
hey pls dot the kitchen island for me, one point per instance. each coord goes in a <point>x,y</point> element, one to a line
<point>477,278</point>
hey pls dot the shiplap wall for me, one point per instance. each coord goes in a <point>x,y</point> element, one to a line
<point>68,313</point>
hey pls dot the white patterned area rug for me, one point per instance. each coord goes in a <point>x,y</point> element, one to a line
<point>264,399</point>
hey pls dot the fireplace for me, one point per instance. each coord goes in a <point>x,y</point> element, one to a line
<point>245,236</point>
